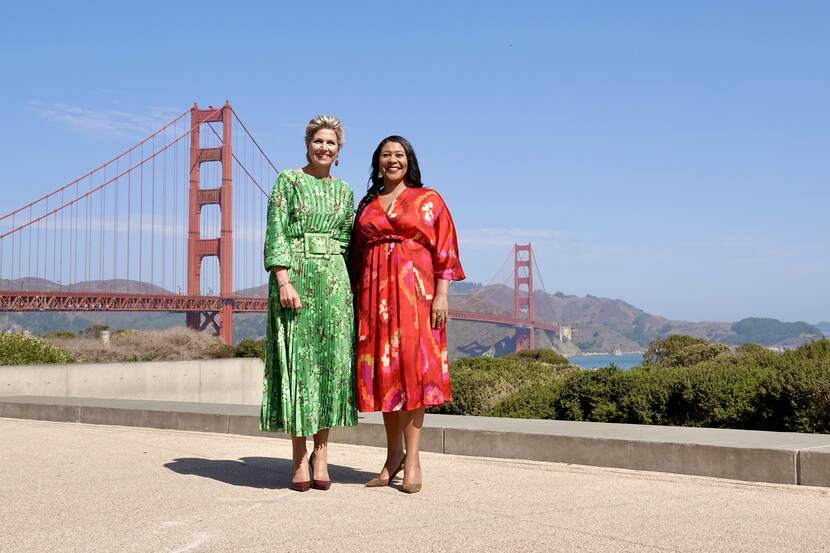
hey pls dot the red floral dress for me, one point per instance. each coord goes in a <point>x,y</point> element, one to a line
<point>401,360</point>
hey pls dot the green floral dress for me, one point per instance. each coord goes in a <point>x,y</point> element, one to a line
<point>309,369</point>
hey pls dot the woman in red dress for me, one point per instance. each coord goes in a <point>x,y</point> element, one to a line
<point>405,253</point>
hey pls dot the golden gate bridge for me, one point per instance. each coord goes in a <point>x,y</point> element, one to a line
<point>183,209</point>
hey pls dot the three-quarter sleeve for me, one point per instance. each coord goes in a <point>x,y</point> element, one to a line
<point>344,233</point>
<point>277,253</point>
<point>446,264</point>
<point>356,250</point>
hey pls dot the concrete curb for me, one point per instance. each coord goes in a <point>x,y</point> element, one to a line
<point>779,457</point>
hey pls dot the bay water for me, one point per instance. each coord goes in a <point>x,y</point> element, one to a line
<point>624,361</point>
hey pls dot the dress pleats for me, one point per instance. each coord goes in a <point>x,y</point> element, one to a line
<point>309,373</point>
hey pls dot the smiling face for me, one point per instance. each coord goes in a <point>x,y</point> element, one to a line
<point>393,162</point>
<point>323,148</point>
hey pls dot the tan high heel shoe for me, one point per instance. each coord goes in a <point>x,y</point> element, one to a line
<point>381,482</point>
<point>411,488</point>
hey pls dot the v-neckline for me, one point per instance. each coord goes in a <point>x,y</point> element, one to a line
<point>387,210</point>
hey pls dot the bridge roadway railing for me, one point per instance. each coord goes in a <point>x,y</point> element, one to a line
<point>34,300</point>
<point>17,300</point>
<point>223,396</point>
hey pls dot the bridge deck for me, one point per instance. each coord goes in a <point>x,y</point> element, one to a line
<point>32,300</point>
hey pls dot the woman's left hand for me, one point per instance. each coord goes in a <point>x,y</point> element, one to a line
<point>440,309</point>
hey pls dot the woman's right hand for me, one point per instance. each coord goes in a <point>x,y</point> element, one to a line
<point>289,298</point>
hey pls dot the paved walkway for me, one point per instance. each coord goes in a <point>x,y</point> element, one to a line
<point>74,487</point>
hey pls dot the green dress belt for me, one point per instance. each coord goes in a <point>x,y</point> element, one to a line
<point>315,245</point>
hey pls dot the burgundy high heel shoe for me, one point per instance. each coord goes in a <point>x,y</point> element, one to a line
<point>300,486</point>
<point>317,484</point>
<point>303,486</point>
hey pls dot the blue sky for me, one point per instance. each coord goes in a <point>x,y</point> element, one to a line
<point>670,154</point>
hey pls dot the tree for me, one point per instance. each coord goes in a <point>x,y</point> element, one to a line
<point>681,351</point>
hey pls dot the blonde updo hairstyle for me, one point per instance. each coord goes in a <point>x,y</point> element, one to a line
<point>324,122</point>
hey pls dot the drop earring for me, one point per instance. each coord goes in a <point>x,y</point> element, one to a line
<point>380,175</point>
<point>336,162</point>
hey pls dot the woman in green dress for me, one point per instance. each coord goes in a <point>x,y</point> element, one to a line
<point>309,370</point>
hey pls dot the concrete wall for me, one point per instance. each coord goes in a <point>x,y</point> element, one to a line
<point>210,381</point>
<point>781,457</point>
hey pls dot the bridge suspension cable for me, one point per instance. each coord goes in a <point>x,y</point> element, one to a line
<point>98,168</point>
<point>121,226</point>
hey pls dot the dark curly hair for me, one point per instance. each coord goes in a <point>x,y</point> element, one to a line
<point>413,171</point>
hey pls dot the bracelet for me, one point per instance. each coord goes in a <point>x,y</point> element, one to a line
<point>287,282</point>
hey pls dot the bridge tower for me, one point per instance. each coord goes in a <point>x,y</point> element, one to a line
<point>197,247</point>
<point>523,295</point>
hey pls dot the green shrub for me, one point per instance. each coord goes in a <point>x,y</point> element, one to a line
<point>592,395</point>
<point>60,334</point>
<point>722,394</point>
<point>482,385</point>
<point>250,348</point>
<point>750,388</point>
<point>802,388</point>
<point>16,349</point>
<point>543,355</point>
<point>529,402</point>
<point>93,331</point>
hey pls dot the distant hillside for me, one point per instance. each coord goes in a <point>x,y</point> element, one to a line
<point>50,321</point>
<point>604,325</point>
<point>464,287</point>
<point>824,326</point>
<point>246,325</point>
<point>112,285</point>
<point>770,332</point>
<point>255,292</point>
<point>598,324</point>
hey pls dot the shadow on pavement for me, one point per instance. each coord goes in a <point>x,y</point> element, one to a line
<point>258,472</point>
